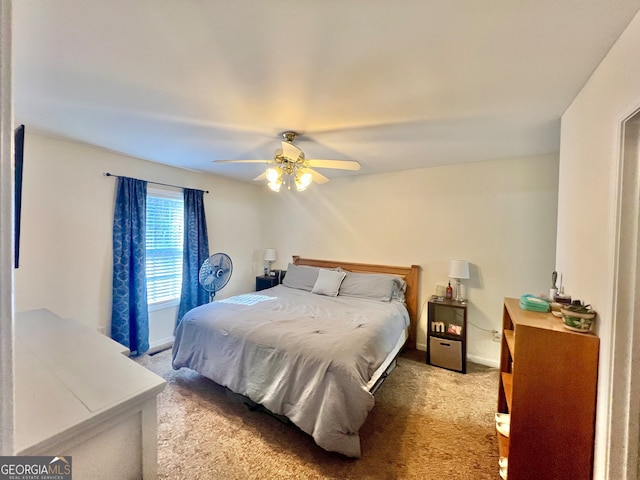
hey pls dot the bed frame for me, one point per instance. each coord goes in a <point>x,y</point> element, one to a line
<point>411,276</point>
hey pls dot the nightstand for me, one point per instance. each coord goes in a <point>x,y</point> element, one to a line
<point>265,281</point>
<point>447,334</point>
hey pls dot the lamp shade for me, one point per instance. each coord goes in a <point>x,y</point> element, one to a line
<point>459,269</point>
<point>270,254</point>
<point>273,175</point>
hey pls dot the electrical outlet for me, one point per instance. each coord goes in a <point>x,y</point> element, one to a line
<point>496,336</point>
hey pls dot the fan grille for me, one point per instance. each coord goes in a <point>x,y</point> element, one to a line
<point>215,272</point>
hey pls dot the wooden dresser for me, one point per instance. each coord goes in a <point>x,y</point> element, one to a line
<point>548,381</point>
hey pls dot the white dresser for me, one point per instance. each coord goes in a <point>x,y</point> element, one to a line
<point>78,394</point>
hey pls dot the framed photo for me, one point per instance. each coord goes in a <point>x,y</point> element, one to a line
<point>455,329</point>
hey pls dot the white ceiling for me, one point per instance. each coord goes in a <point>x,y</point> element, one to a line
<point>392,84</point>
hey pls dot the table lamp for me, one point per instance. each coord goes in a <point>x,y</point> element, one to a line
<point>458,270</point>
<point>269,257</point>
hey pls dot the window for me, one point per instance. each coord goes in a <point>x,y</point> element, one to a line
<point>165,219</point>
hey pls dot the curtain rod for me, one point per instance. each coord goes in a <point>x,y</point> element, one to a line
<point>107,174</point>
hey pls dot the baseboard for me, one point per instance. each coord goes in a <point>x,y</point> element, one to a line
<point>488,362</point>
<point>160,345</point>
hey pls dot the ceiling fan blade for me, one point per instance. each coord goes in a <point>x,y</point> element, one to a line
<point>337,164</point>
<point>262,176</point>
<point>290,151</point>
<point>242,161</point>
<point>317,176</point>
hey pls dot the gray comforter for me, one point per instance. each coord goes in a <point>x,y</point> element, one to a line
<point>306,356</point>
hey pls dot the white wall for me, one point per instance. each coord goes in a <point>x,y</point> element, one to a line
<point>499,215</point>
<point>587,225</point>
<point>67,221</point>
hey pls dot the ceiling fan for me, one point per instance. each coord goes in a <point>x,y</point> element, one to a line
<point>289,163</point>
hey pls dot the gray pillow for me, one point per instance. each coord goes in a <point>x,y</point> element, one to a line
<point>328,282</point>
<point>376,286</point>
<point>301,277</point>
<point>399,289</point>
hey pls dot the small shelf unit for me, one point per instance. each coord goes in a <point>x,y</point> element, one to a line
<point>447,334</point>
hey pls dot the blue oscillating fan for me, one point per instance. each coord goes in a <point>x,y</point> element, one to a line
<point>215,273</point>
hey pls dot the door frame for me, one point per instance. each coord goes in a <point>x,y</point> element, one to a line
<point>623,436</point>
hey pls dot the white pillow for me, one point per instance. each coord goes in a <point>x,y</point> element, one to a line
<point>328,282</point>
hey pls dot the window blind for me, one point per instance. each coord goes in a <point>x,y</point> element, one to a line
<point>165,218</point>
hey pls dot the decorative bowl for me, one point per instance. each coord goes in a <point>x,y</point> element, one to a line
<point>578,319</point>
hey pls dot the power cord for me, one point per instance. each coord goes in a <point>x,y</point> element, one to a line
<point>496,334</point>
<point>480,328</point>
<point>422,308</point>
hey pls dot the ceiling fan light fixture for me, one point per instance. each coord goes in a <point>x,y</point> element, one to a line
<point>303,181</point>
<point>275,186</point>
<point>306,178</point>
<point>273,174</point>
<point>291,166</point>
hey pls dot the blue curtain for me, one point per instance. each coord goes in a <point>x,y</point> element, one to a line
<point>196,251</point>
<point>129,313</point>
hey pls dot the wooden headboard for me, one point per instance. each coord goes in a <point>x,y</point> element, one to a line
<point>411,275</point>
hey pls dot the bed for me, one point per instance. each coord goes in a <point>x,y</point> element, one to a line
<point>314,349</point>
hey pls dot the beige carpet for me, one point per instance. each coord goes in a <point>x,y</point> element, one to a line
<point>428,423</point>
